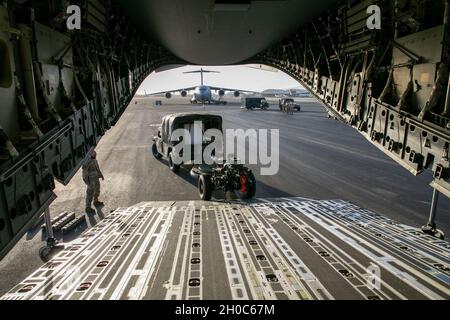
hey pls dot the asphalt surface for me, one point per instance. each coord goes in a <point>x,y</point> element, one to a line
<point>320,158</point>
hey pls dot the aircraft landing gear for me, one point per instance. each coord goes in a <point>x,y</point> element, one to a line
<point>430,227</point>
<point>47,252</point>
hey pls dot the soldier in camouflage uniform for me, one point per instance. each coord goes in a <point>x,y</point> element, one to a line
<point>92,176</point>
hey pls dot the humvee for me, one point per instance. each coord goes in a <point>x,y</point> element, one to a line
<point>228,176</point>
<point>255,103</point>
<point>286,101</point>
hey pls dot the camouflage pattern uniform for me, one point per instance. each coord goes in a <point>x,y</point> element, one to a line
<point>91,177</point>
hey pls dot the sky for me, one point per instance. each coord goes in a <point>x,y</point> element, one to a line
<point>233,77</point>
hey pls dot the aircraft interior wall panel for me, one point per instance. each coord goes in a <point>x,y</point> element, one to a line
<point>323,87</point>
<point>424,76</point>
<point>9,116</point>
<point>428,46</point>
<point>25,194</point>
<point>353,97</point>
<point>50,45</point>
<point>311,77</point>
<point>105,96</point>
<point>396,135</point>
<point>5,235</point>
<point>316,82</point>
<point>332,93</point>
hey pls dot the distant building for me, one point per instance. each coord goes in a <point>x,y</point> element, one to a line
<point>274,93</point>
<point>298,93</point>
<point>295,92</point>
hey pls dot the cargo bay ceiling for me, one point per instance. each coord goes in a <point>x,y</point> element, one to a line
<point>62,89</point>
<point>218,32</point>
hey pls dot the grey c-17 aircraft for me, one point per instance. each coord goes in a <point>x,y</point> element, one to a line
<point>68,74</point>
<point>203,93</point>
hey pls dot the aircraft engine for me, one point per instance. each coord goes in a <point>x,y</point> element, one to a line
<point>184,93</point>
<point>168,95</point>
<point>237,94</point>
<point>221,93</point>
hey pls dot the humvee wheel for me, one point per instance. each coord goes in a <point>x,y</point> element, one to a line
<point>155,152</point>
<point>175,168</point>
<point>205,187</point>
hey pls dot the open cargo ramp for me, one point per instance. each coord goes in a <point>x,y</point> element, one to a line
<point>290,248</point>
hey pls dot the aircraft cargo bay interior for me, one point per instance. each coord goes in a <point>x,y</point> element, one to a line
<point>224,150</point>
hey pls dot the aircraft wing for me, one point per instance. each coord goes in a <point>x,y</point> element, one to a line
<point>173,91</point>
<point>240,90</point>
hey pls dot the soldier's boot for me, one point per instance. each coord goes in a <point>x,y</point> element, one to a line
<point>98,203</point>
<point>90,210</point>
